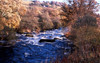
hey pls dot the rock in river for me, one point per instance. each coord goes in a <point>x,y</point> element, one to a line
<point>47,40</point>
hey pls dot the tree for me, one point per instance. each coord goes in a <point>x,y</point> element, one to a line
<point>45,21</point>
<point>86,37</point>
<point>10,12</point>
<point>77,9</point>
<point>84,32</point>
<point>10,17</point>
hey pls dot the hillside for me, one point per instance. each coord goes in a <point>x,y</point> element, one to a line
<point>41,16</point>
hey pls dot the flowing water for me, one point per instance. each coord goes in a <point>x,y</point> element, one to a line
<point>29,50</point>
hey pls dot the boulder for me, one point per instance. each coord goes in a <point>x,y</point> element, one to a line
<point>47,40</point>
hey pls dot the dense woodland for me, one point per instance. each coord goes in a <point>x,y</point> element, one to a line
<point>17,16</point>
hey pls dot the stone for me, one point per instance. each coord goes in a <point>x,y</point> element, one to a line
<point>47,40</point>
<point>29,35</point>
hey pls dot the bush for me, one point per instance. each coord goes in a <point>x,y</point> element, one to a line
<point>45,25</point>
<point>10,17</point>
<point>86,37</point>
<point>86,21</point>
<point>7,34</point>
<point>57,24</point>
<point>40,18</point>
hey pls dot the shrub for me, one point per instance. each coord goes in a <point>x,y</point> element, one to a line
<point>76,9</point>
<point>86,21</point>
<point>45,25</point>
<point>45,22</point>
<point>86,37</point>
<point>40,18</point>
<point>8,34</point>
<point>57,24</point>
<point>10,17</point>
<point>10,14</point>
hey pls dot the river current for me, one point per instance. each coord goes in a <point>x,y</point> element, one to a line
<point>30,50</point>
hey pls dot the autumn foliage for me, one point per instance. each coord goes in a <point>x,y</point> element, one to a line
<point>86,37</point>
<point>39,18</point>
<point>84,30</point>
<point>20,16</point>
<point>10,17</point>
<point>10,13</point>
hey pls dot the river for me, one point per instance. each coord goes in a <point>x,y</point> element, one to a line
<point>30,50</point>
